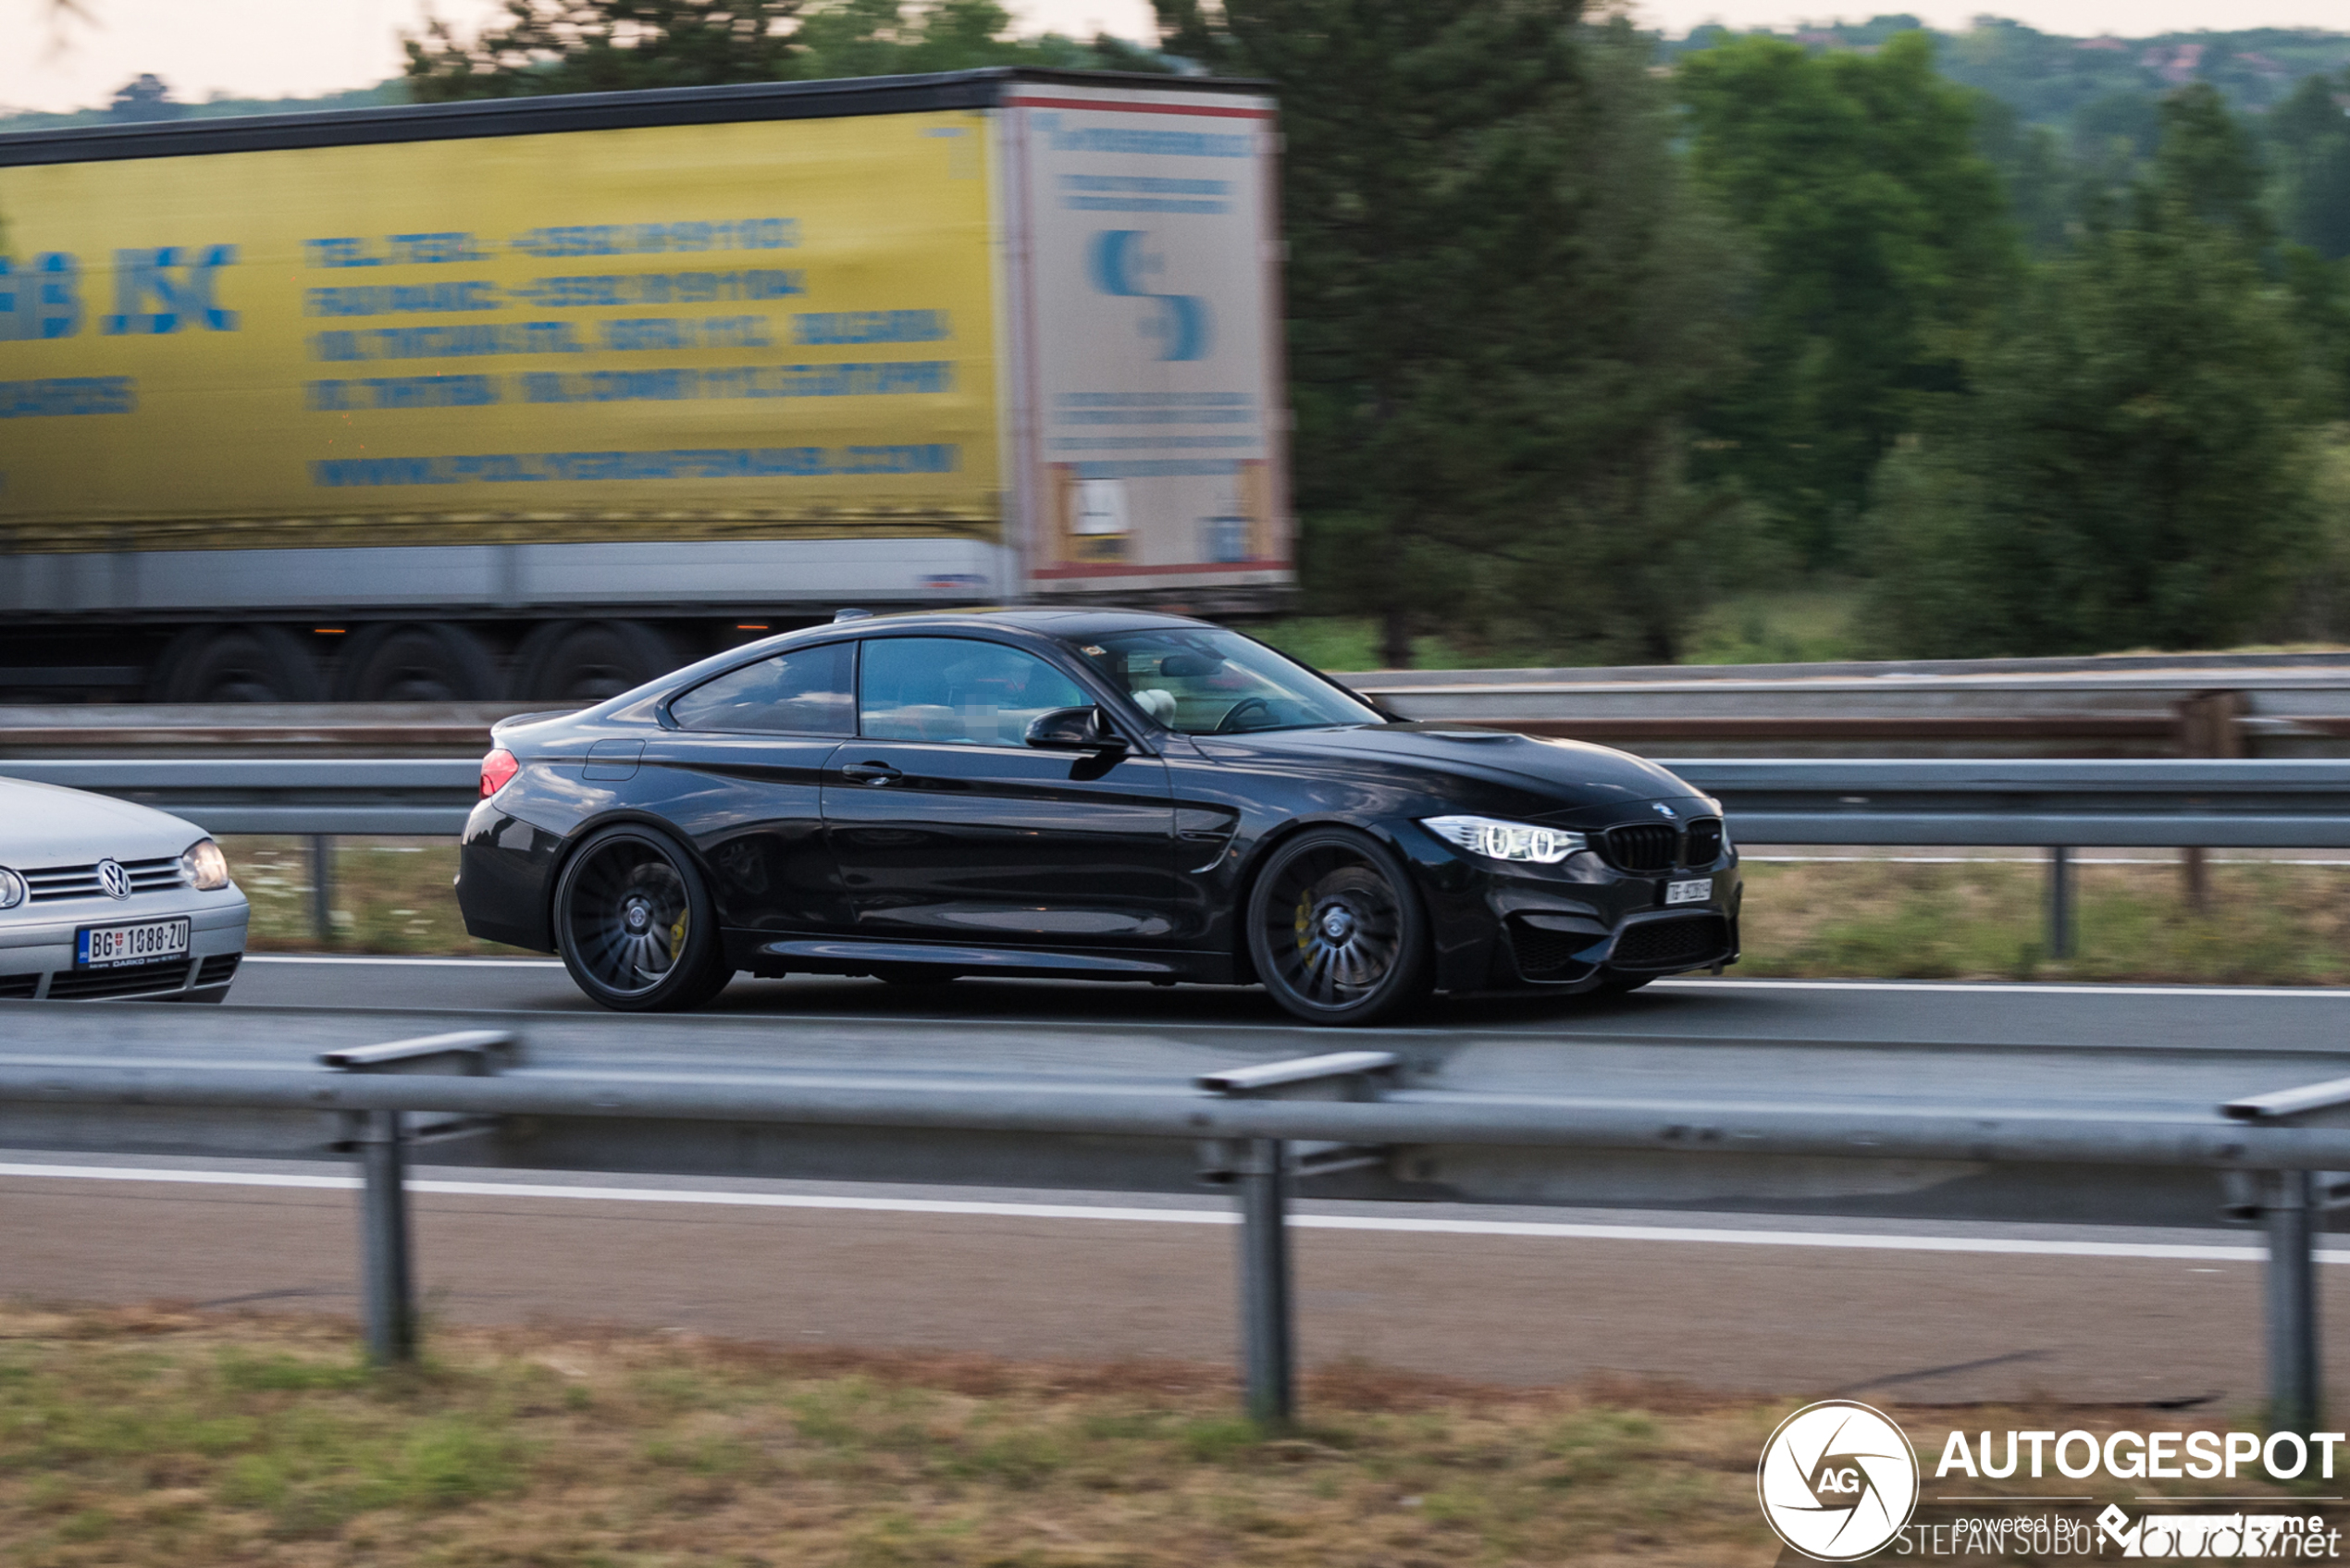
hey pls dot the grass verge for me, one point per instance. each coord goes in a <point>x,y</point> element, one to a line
<point>150,1435</point>
<point>156,1437</point>
<point>2269,923</point>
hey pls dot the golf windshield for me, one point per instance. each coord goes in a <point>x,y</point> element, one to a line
<point>1204,680</point>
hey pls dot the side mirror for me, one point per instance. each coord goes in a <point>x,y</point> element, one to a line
<point>1073,729</point>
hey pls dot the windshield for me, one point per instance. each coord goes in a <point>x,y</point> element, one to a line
<point>1204,680</point>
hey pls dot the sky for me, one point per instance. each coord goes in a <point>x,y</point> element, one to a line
<point>274,48</point>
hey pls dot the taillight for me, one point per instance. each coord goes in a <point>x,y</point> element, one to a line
<point>498,771</point>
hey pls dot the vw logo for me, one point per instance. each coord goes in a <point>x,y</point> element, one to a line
<point>1661,808</point>
<point>114,879</point>
<point>1838,1480</point>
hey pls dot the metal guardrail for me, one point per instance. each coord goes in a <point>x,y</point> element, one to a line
<point>348,795</point>
<point>1259,1129</point>
<point>2294,803</point>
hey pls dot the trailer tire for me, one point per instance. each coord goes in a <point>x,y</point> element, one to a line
<point>587,662</point>
<point>415,661</point>
<point>237,664</point>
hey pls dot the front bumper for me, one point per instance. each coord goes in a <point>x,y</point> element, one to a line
<point>1571,926</point>
<point>36,948</point>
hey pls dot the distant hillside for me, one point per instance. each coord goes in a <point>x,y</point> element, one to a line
<point>133,105</point>
<point>2049,80</point>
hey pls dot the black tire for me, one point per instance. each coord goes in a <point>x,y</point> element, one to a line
<point>237,664</point>
<point>585,661</point>
<point>1617,985</point>
<point>415,661</point>
<point>1336,930</point>
<point>636,926</point>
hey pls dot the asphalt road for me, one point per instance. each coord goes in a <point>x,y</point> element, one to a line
<point>1715,1301</point>
<point>2122,1016</point>
<point>1911,1308</point>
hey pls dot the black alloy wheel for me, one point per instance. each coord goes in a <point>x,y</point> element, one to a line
<point>636,925</point>
<point>1336,931</point>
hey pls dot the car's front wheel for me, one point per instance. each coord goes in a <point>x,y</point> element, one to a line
<point>1336,931</point>
<point>636,926</point>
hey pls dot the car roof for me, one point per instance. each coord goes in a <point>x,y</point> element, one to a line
<point>1063,623</point>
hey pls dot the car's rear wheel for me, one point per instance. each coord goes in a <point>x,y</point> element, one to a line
<point>1336,931</point>
<point>636,925</point>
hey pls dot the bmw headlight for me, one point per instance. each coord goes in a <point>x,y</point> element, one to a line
<point>205,867</point>
<point>1498,840</point>
<point>11,889</point>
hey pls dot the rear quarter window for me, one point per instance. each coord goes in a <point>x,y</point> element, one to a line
<point>808,691</point>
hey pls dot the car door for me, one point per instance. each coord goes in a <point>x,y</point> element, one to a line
<point>946,827</point>
<point>739,767</point>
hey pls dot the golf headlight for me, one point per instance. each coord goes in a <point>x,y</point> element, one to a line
<point>11,889</point>
<point>1498,840</point>
<point>205,867</point>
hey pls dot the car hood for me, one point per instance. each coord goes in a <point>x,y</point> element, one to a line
<point>1566,779</point>
<point>47,825</point>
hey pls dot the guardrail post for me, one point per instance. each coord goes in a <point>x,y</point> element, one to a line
<point>322,886</point>
<point>1267,1329</point>
<point>386,1282</point>
<point>2060,901</point>
<point>381,1139</point>
<point>2295,1372</point>
<point>1261,1169</point>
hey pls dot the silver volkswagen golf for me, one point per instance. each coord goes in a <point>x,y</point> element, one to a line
<point>100,897</point>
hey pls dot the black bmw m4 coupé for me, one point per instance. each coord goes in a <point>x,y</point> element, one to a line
<point>1083,793</point>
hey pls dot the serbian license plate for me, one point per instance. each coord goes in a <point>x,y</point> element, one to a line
<point>148,941</point>
<point>1694,892</point>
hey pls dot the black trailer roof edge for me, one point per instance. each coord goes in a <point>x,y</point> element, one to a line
<point>825,98</point>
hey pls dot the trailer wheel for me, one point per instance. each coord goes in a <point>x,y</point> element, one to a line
<point>415,661</point>
<point>237,664</point>
<point>588,661</point>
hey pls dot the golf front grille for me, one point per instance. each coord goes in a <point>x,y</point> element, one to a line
<point>132,979</point>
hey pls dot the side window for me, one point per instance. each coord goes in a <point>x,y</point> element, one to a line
<point>803,693</point>
<point>956,690</point>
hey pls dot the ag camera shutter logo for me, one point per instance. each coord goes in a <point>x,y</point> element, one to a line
<point>1837,1480</point>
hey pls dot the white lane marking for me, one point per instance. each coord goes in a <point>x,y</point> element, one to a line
<point>2019,987</point>
<point>412,962</point>
<point>2337,993</point>
<point>1526,1228</point>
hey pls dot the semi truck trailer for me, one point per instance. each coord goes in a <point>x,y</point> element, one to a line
<point>536,398</point>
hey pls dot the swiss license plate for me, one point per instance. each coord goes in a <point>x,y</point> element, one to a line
<point>144,941</point>
<point>1693,891</point>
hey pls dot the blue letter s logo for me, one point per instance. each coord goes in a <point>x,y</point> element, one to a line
<point>1119,264</point>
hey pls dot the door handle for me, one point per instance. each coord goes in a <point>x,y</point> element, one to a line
<point>870,774</point>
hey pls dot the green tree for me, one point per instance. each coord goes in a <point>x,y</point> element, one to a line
<point>2308,139</point>
<point>1502,300</point>
<point>540,47</point>
<point>1881,235</point>
<point>883,38</point>
<point>2130,467</point>
<point>2208,167</point>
